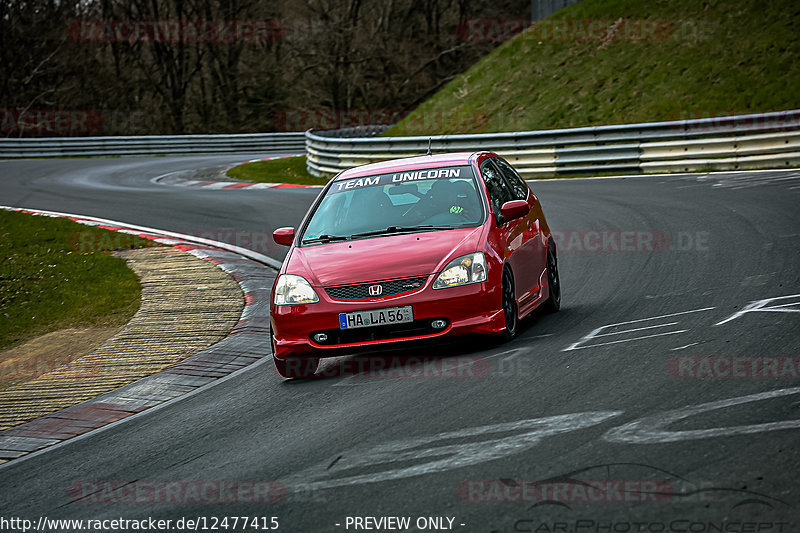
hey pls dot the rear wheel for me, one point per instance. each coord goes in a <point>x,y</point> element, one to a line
<point>509,305</point>
<point>553,302</point>
<point>293,367</point>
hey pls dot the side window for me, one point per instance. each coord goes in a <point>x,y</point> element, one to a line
<point>499,191</point>
<point>518,187</point>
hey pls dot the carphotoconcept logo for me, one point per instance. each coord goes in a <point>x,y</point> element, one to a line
<point>714,507</point>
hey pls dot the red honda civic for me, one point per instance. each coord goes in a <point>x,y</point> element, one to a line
<point>411,249</point>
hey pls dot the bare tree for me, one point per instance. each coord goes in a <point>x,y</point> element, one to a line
<point>337,55</point>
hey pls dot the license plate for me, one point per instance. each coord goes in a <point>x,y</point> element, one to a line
<point>376,317</point>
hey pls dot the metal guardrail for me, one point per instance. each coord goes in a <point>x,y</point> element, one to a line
<point>152,145</point>
<point>767,140</point>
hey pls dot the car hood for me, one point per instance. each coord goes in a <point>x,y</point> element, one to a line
<point>381,258</point>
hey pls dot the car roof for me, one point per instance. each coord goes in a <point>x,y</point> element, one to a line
<point>408,163</point>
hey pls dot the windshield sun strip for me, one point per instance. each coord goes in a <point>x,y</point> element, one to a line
<point>325,192</point>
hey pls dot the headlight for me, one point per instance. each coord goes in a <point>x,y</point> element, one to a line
<point>293,290</point>
<point>470,268</point>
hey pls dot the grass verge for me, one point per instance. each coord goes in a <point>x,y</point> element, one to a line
<point>285,170</point>
<point>58,274</point>
<point>626,61</point>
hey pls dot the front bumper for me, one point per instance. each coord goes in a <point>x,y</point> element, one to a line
<point>468,309</point>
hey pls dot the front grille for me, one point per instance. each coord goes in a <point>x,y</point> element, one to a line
<point>390,288</point>
<point>416,328</point>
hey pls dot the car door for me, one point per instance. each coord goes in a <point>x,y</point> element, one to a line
<point>510,233</point>
<point>532,250</point>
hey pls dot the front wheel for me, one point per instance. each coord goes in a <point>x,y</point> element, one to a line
<point>293,367</point>
<point>553,302</point>
<point>296,367</point>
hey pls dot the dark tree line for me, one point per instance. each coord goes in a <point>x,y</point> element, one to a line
<point>77,67</point>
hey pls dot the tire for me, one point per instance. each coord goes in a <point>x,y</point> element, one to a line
<point>553,302</point>
<point>510,309</point>
<point>296,367</point>
<point>293,367</point>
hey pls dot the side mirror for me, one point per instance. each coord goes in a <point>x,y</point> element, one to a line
<point>514,209</point>
<point>283,236</point>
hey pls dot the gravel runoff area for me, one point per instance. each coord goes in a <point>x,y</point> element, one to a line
<point>188,304</point>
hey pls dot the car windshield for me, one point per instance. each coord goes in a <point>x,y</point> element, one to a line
<point>400,202</point>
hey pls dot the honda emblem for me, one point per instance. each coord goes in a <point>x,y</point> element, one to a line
<point>375,290</point>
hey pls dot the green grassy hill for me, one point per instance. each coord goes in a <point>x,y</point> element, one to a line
<point>664,60</point>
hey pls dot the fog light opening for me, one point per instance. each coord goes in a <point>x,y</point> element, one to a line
<point>439,324</point>
<point>321,337</point>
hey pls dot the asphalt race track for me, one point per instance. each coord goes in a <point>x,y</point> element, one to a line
<point>670,379</point>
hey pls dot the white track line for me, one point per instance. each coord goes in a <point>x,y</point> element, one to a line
<point>252,255</point>
<point>255,256</point>
<point>134,416</point>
